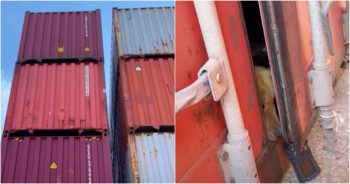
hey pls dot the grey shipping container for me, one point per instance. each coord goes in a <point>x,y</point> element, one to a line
<point>144,31</point>
<point>151,158</point>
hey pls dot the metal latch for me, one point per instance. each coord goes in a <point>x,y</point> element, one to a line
<point>303,162</point>
<point>211,78</point>
<point>216,76</point>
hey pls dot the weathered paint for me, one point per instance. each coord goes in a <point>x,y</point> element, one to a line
<point>57,96</point>
<point>59,35</point>
<point>299,44</point>
<point>144,31</point>
<point>152,157</point>
<point>56,160</point>
<point>201,129</point>
<point>146,92</point>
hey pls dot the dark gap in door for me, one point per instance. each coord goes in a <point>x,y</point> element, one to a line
<point>262,70</point>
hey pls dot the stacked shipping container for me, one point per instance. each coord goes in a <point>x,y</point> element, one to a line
<point>56,126</point>
<point>143,95</point>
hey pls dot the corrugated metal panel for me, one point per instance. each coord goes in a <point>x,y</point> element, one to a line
<point>52,35</point>
<point>146,88</point>
<point>154,157</point>
<point>57,96</point>
<point>56,160</point>
<point>144,31</point>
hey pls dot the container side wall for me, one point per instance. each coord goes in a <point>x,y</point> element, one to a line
<point>56,159</point>
<point>152,157</point>
<point>147,92</point>
<point>61,35</point>
<point>57,96</point>
<point>144,31</point>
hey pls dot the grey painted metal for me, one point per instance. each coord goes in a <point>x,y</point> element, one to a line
<point>216,77</point>
<point>155,155</point>
<point>326,27</point>
<point>346,26</point>
<point>193,93</point>
<point>211,78</point>
<point>144,31</point>
<point>320,74</point>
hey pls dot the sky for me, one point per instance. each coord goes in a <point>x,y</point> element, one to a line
<point>12,16</point>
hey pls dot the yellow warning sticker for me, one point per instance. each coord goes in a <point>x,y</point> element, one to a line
<point>60,49</point>
<point>53,165</point>
<point>86,49</point>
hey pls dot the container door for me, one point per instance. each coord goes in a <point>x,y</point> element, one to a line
<point>201,129</point>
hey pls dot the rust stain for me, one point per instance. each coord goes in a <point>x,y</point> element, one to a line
<point>189,50</point>
<point>207,111</point>
<point>61,113</point>
<point>233,33</point>
<point>189,76</point>
<point>201,117</point>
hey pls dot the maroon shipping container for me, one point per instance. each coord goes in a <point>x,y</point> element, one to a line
<point>57,96</point>
<point>61,35</point>
<point>146,92</point>
<point>56,159</point>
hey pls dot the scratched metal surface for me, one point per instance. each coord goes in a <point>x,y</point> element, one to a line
<point>155,157</point>
<point>147,92</point>
<point>57,96</point>
<point>56,160</point>
<point>52,35</point>
<point>144,31</point>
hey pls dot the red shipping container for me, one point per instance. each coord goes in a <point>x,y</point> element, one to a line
<point>57,96</point>
<point>146,88</point>
<point>61,35</point>
<point>56,160</point>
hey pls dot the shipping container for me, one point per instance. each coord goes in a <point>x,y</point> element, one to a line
<point>56,160</point>
<point>201,128</point>
<point>150,158</point>
<point>144,103</point>
<point>144,31</point>
<point>57,96</point>
<point>61,35</point>
<point>142,92</point>
<point>146,88</point>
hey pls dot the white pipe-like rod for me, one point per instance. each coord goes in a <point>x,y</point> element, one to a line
<point>241,165</point>
<point>326,6</point>
<point>214,43</point>
<point>323,89</point>
<point>320,61</point>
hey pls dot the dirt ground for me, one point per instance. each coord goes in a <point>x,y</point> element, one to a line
<point>333,160</point>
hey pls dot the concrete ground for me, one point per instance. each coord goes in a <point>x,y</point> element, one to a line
<point>333,160</point>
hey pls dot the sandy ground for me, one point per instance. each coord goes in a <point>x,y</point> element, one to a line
<point>333,160</point>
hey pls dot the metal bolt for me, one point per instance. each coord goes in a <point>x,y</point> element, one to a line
<point>218,77</point>
<point>224,156</point>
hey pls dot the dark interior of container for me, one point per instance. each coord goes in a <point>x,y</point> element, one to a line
<point>255,33</point>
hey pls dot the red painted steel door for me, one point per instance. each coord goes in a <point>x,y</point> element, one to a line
<point>201,129</point>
